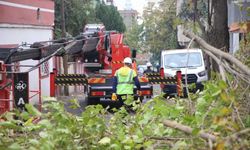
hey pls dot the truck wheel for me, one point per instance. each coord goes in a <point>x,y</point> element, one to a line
<point>93,101</point>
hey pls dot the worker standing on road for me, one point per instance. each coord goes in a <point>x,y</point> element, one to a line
<point>149,68</point>
<point>124,80</point>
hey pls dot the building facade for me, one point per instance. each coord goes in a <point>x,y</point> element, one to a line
<point>237,13</point>
<point>23,22</point>
<point>129,17</point>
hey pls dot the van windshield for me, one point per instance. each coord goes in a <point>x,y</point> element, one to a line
<point>179,60</point>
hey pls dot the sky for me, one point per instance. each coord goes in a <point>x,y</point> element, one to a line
<point>134,4</point>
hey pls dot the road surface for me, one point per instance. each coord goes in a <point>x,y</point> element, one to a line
<point>81,98</point>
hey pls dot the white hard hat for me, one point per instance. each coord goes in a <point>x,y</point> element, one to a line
<point>127,60</point>
<point>149,64</point>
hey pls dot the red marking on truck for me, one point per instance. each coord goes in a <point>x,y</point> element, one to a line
<point>98,93</point>
<point>96,80</point>
<point>143,79</point>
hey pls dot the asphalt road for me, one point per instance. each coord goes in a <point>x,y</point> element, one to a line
<point>81,98</point>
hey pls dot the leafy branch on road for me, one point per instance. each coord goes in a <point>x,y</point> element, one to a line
<point>97,128</point>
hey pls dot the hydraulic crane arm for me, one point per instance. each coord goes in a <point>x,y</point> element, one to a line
<point>40,50</point>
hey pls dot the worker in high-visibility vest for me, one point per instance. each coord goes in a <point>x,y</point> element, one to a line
<point>124,80</point>
<point>149,68</point>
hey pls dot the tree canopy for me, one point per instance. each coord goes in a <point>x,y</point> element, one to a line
<point>134,38</point>
<point>80,12</point>
<point>110,17</point>
<point>160,34</point>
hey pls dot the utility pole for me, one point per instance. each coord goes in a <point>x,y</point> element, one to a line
<point>65,57</point>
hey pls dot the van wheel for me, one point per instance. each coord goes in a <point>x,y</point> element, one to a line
<point>93,101</point>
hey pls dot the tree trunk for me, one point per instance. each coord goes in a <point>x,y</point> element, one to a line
<point>217,34</point>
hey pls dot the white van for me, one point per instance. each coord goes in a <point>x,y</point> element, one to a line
<point>188,61</point>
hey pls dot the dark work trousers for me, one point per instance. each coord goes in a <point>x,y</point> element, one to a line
<point>121,99</point>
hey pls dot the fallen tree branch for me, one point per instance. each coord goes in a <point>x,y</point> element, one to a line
<point>187,129</point>
<point>237,134</point>
<point>238,115</point>
<point>233,71</point>
<point>168,138</point>
<point>218,52</point>
<point>217,60</point>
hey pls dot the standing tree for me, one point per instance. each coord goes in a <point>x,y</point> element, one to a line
<point>133,36</point>
<point>77,14</point>
<point>110,17</point>
<point>211,17</point>
<point>80,12</point>
<point>218,34</point>
<point>158,26</point>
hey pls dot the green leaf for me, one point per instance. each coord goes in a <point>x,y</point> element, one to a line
<point>247,121</point>
<point>43,134</point>
<point>216,93</point>
<point>65,131</point>
<point>127,147</point>
<point>32,110</point>
<point>146,118</point>
<point>104,141</point>
<point>115,146</point>
<point>15,146</point>
<point>29,122</point>
<point>180,145</point>
<point>34,141</point>
<point>222,84</point>
<point>195,131</point>
<point>44,122</point>
<point>8,124</point>
<point>74,104</point>
<point>25,115</point>
<point>9,116</point>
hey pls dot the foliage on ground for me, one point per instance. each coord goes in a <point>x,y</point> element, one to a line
<point>138,127</point>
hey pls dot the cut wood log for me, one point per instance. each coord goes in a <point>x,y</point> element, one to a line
<point>218,52</point>
<point>187,129</point>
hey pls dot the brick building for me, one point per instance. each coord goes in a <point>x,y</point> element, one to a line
<point>25,22</point>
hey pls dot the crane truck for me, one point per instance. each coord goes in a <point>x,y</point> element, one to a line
<point>103,59</point>
<point>102,53</point>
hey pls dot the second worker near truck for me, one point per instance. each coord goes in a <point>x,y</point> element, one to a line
<point>124,80</point>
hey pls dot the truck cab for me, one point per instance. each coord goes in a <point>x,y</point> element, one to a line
<point>189,62</point>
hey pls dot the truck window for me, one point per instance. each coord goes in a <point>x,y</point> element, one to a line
<point>179,60</point>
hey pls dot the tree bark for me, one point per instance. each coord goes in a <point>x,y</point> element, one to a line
<point>187,129</point>
<point>218,35</point>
